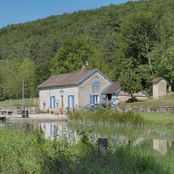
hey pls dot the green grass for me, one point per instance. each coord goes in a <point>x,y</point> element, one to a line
<point>30,102</point>
<point>22,153</point>
<point>163,101</point>
<point>161,118</point>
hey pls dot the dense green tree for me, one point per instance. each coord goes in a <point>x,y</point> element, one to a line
<point>26,73</point>
<point>130,82</point>
<point>12,74</point>
<point>9,76</point>
<point>73,54</point>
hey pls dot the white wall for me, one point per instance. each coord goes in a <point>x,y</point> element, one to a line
<point>44,97</point>
<point>159,89</point>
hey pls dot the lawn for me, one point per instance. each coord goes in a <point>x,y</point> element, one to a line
<point>30,102</point>
<point>163,101</point>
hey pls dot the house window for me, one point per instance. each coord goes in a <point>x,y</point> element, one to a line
<point>94,99</point>
<point>96,85</point>
<point>71,102</point>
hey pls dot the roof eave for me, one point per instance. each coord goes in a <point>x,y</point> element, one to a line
<point>58,86</point>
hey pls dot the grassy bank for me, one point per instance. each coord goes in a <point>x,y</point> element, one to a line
<point>103,116</point>
<point>108,116</point>
<point>13,103</point>
<point>163,101</point>
<point>30,153</point>
<point>158,118</point>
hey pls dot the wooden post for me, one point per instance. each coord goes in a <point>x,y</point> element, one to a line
<point>102,146</point>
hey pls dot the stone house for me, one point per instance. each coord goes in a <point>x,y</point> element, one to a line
<point>80,89</point>
<point>159,87</point>
<point>72,90</point>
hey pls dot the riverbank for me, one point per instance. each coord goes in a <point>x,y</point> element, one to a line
<point>158,118</point>
<point>43,117</point>
<point>107,116</point>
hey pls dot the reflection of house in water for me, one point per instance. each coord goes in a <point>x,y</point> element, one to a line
<point>54,130</point>
<point>160,145</point>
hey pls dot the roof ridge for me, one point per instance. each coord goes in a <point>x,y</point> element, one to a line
<point>74,72</point>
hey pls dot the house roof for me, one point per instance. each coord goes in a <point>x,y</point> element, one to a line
<point>156,80</point>
<point>69,79</point>
<point>113,88</point>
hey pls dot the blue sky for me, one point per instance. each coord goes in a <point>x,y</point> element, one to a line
<point>18,11</point>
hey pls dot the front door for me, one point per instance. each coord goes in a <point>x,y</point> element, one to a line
<point>52,102</point>
<point>71,102</point>
<point>62,104</point>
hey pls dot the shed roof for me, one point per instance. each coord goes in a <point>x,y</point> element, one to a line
<point>113,88</point>
<point>69,79</point>
<point>156,80</point>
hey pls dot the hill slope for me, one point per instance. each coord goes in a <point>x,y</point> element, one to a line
<point>135,35</point>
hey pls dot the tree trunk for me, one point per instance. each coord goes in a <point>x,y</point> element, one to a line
<point>132,96</point>
<point>147,53</point>
<point>149,59</point>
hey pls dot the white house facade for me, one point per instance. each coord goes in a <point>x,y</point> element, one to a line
<point>80,89</point>
<point>74,90</point>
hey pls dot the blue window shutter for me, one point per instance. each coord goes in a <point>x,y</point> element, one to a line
<point>54,102</point>
<point>73,101</point>
<point>68,101</point>
<point>91,100</point>
<point>50,102</point>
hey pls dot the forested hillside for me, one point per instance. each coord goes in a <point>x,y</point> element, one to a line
<point>136,36</point>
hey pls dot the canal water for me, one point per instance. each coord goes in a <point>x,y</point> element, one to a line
<point>158,139</point>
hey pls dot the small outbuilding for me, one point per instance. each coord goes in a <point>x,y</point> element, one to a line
<point>159,87</point>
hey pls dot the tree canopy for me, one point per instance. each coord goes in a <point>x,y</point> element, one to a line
<point>136,36</point>
<point>130,82</point>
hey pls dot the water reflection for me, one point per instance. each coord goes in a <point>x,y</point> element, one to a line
<point>161,145</point>
<point>159,140</point>
<point>57,130</point>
